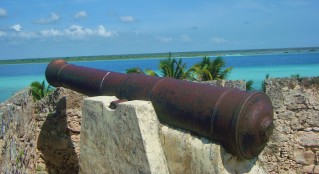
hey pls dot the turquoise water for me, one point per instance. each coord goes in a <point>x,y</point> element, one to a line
<point>257,74</point>
<point>16,77</point>
<point>10,85</point>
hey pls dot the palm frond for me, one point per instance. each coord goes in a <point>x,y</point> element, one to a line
<point>151,72</point>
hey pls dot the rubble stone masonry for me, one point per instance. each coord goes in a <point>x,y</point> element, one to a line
<point>43,136</point>
<point>294,145</point>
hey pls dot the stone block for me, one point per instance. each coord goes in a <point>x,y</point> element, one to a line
<point>311,169</point>
<point>186,153</point>
<point>123,140</point>
<point>129,139</point>
<point>304,157</point>
<point>308,139</point>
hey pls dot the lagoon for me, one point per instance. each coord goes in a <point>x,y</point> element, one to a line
<point>14,77</point>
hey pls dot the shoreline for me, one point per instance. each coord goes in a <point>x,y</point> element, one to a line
<point>223,53</point>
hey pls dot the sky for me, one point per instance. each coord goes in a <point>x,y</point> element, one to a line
<point>67,28</point>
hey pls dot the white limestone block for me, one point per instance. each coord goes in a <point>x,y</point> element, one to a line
<point>186,153</point>
<point>130,139</point>
<point>124,140</point>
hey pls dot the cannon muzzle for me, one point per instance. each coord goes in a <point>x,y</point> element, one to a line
<point>240,121</point>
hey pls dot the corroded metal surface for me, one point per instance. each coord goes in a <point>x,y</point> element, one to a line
<point>241,121</point>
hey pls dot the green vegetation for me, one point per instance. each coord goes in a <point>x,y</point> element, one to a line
<point>39,169</point>
<point>263,83</point>
<point>135,70</point>
<point>171,67</point>
<point>249,85</point>
<point>205,70</point>
<point>297,76</point>
<point>164,55</point>
<point>211,70</point>
<point>19,157</point>
<point>150,72</point>
<point>40,90</point>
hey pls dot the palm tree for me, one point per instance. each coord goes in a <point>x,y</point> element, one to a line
<point>135,70</point>
<point>211,70</point>
<point>249,85</point>
<point>39,90</point>
<point>170,67</point>
<point>151,72</point>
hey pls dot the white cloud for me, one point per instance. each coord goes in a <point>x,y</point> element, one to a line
<point>218,40</point>
<point>101,31</point>
<point>186,38</point>
<point>51,32</point>
<point>80,15</point>
<point>165,39</point>
<point>127,19</point>
<point>71,32</point>
<point>3,12</point>
<point>2,33</point>
<point>78,32</point>
<point>16,27</point>
<point>26,35</point>
<point>52,19</point>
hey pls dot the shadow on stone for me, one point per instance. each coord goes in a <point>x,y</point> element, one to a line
<point>55,144</point>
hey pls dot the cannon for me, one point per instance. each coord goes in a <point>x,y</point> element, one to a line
<point>240,121</point>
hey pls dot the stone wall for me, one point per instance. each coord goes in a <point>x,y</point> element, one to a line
<point>294,145</point>
<point>239,84</point>
<point>30,130</point>
<point>58,126</point>
<point>17,135</point>
<point>42,136</point>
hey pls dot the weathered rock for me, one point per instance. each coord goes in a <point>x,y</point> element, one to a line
<point>295,104</point>
<point>293,148</point>
<point>58,136</point>
<point>304,157</point>
<point>311,169</point>
<point>186,153</point>
<point>239,84</point>
<point>124,140</point>
<point>308,139</point>
<point>135,144</point>
<point>17,134</point>
<point>35,140</point>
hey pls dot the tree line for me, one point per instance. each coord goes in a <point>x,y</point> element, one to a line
<point>205,70</point>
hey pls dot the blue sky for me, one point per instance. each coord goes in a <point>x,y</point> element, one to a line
<point>43,28</point>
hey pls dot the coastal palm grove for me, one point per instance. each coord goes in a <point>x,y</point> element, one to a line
<point>206,70</point>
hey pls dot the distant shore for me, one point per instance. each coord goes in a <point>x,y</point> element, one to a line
<point>165,55</point>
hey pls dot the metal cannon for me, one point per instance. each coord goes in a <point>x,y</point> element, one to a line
<point>240,121</point>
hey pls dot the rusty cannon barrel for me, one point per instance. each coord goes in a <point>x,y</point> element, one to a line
<point>240,121</point>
